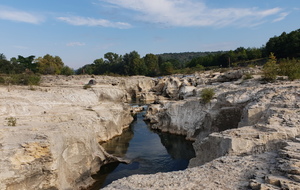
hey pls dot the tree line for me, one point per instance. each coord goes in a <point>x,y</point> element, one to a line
<point>47,64</point>
<point>287,46</point>
<point>284,46</point>
<point>153,65</point>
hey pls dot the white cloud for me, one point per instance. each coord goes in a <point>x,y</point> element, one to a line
<point>281,17</point>
<point>192,13</point>
<point>72,44</point>
<point>7,13</point>
<point>86,21</point>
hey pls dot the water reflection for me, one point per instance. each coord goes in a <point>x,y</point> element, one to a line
<point>118,145</point>
<point>177,146</point>
<point>149,151</point>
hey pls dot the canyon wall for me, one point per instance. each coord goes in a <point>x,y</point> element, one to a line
<point>246,137</point>
<point>50,133</point>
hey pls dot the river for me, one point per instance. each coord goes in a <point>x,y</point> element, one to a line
<point>149,152</point>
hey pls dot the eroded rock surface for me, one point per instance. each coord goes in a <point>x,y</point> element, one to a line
<point>270,116</point>
<point>269,170</point>
<point>241,137</point>
<point>247,137</point>
<point>54,143</point>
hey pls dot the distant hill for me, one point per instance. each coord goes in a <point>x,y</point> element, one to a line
<point>185,57</point>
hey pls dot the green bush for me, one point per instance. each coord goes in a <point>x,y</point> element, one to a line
<point>11,121</point>
<point>2,80</point>
<point>248,76</point>
<point>290,68</point>
<point>199,67</point>
<point>86,86</point>
<point>31,79</point>
<point>270,69</point>
<point>67,71</point>
<point>23,79</point>
<point>207,94</point>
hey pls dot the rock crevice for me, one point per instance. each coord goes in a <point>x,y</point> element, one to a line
<point>54,143</point>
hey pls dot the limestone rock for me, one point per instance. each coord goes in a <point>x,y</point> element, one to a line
<point>247,129</point>
<point>255,172</point>
<point>55,141</point>
<point>231,75</point>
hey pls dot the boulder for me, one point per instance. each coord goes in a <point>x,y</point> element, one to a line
<point>230,76</point>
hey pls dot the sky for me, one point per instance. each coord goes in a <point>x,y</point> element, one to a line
<point>80,31</point>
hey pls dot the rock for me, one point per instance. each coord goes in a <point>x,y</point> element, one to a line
<point>250,129</point>
<point>137,109</point>
<point>186,91</point>
<point>171,87</point>
<point>271,109</point>
<point>230,76</point>
<point>55,141</point>
<point>193,118</point>
<point>92,82</point>
<point>266,119</point>
<point>253,171</point>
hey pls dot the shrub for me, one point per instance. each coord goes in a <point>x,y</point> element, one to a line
<point>2,80</point>
<point>199,67</point>
<point>248,76</point>
<point>31,88</point>
<point>234,64</point>
<point>32,80</point>
<point>86,86</point>
<point>290,68</point>
<point>207,94</point>
<point>11,121</point>
<point>251,65</point>
<point>23,79</point>
<point>270,69</point>
<point>67,71</point>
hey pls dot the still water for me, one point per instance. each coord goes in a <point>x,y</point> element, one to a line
<point>149,152</point>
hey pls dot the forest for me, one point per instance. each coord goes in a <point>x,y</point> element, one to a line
<point>284,47</point>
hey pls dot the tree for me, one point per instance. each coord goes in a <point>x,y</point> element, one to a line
<point>114,63</point>
<point>167,68</point>
<point>133,64</point>
<point>5,66</point>
<point>254,53</point>
<point>112,58</point>
<point>86,69</point>
<point>151,62</point>
<point>139,67</point>
<point>241,53</point>
<point>2,56</point>
<point>27,63</point>
<point>285,45</point>
<point>100,67</point>
<point>224,60</point>
<point>49,64</point>
<point>270,69</point>
<point>67,71</point>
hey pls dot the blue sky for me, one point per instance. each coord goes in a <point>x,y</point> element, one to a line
<point>80,31</point>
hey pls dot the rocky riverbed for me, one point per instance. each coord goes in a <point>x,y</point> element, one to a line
<point>50,133</point>
<point>246,137</point>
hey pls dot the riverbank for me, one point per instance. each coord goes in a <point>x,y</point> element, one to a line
<point>241,136</point>
<point>269,170</point>
<point>149,152</point>
<point>245,137</point>
<point>50,133</point>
